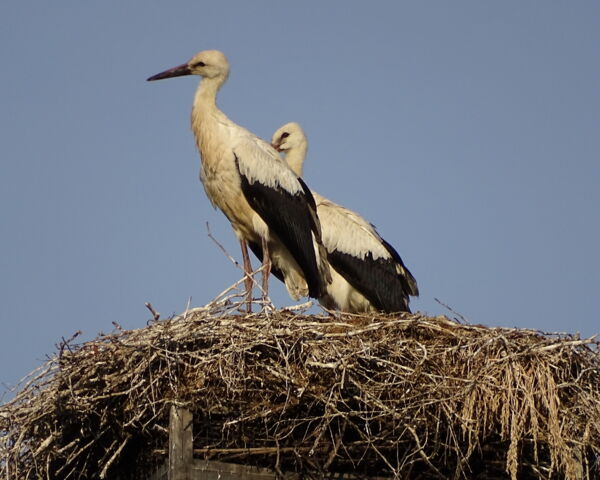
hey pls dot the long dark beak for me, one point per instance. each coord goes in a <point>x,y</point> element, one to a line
<point>177,71</point>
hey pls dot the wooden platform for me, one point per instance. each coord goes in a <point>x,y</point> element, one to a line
<point>182,465</point>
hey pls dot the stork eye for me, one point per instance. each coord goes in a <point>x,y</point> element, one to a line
<point>199,64</point>
<point>284,135</point>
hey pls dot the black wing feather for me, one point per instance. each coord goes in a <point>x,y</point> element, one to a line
<point>409,282</point>
<point>376,279</point>
<point>289,217</point>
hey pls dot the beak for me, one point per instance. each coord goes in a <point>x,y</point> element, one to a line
<point>178,71</point>
<point>277,147</point>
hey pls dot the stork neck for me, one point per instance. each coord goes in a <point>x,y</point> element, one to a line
<point>295,158</point>
<point>206,93</point>
<point>204,109</point>
<point>205,113</point>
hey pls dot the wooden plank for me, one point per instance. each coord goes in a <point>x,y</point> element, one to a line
<point>180,444</point>
<point>213,470</point>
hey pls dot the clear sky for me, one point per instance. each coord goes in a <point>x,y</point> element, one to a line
<point>466,131</point>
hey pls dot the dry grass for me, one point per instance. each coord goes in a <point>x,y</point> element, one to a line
<point>407,396</point>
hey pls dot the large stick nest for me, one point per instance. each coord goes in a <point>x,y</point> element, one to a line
<point>406,396</point>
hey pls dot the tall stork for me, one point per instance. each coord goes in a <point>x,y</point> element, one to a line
<point>266,203</point>
<point>367,272</point>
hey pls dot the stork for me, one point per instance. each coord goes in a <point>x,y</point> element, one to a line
<point>266,203</point>
<point>367,272</point>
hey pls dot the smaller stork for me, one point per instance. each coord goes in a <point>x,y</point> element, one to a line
<point>367,272</point>
<point>266,203</point>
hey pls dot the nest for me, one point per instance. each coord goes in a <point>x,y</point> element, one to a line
<point>404,396</point>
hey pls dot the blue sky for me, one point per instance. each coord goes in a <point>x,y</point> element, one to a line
<point>466,131</point>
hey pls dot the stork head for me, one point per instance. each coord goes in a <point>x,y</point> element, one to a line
<point>207,64</point>
<point>291,139</point>
<point>290,136</point>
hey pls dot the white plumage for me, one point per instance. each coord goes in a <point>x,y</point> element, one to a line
<point>266,203</point>
<point>367,274</point>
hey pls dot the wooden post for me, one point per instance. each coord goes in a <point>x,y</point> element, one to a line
<point>181,448</point>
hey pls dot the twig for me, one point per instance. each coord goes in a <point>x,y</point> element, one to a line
<point>462,318</point>
<point>65,343</point>
<point>422,453</point>
<point>155,314</point>
<point>114,457</point>
<point>223,249</point>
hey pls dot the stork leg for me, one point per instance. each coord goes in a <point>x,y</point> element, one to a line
<point>266,269</point>
<point>248,275</point>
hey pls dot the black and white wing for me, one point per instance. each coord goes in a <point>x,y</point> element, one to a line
<point>279,197</point>
<point>365,260</point>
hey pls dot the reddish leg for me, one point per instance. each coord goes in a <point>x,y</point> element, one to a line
<point>248,275</point>
<point>266,269</point>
